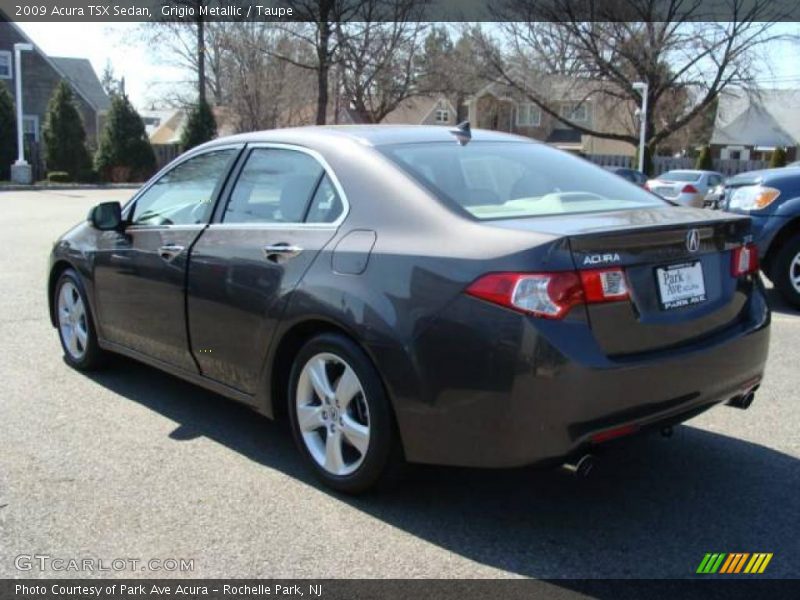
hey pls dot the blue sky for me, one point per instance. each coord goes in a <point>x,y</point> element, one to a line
<point>144,76</point>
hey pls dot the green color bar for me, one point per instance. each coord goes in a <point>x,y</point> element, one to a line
<point>717,564</point>
<point>701,568</point>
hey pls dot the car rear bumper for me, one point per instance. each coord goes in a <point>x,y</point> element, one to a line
<point>499,389</point>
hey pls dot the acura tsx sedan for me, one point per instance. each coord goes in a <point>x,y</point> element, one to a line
<point>419,295</point>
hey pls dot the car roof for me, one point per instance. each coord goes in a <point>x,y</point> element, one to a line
<point>370,135</point>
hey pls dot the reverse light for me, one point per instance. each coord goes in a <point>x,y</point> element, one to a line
<point>753,197</point>
<point>689,189</point>
<point>744,260</point>
<point>550,295</point>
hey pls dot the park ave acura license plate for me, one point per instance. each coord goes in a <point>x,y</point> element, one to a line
<point>681,285</point>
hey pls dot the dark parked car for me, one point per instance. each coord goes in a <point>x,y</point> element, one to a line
<point>418,294</point>
<point>772,200</point>
<point>631,175</point>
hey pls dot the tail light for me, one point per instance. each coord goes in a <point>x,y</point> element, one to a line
<point>550,295</point>
<point>744,260</point>
<point>689,189</point>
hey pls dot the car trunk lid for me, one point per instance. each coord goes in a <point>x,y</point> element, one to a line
<point>677,265</point>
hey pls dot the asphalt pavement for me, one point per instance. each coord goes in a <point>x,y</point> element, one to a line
<point>130,463</point>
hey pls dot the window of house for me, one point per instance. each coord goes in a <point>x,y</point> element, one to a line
<point>5,65</point>
<point>578,113</point>
<point>735,155</point>
<point>30,126</point>
<point>442,115</point>
<point>529,115</point>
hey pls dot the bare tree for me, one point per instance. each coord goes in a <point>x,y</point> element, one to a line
<point>269,92</point>
<point>686,61</point>
<point>191,45</point>
<point>318,31</point>
<point>377,52</point>
<point>454,69</point>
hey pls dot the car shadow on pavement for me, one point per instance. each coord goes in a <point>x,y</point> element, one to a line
<point>778,304</point>
<point>652,509</point>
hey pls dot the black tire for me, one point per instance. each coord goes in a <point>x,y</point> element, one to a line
<point>92,356</point>
<point>383,461</point>
<point>781,272</point>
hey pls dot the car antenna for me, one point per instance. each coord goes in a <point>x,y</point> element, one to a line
<point>462,132</point>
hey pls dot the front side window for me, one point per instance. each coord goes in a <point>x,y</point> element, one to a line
<point>185,195</point>
<point>5,65</point>
<point>497,180</point>
<point>275,186</point>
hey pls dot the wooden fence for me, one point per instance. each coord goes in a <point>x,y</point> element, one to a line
<point>662,164</point>
<point>165,153</point>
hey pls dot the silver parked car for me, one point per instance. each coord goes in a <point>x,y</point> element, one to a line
<point>686,187</point>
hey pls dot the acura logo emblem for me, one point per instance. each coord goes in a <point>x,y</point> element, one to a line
<point>693,240</point>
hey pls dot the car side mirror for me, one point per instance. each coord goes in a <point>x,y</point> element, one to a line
<point>106,216</point>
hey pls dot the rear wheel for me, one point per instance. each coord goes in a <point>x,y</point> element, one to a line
<point>340,415</point>
<point>75,325</point>
<point>786,272</point>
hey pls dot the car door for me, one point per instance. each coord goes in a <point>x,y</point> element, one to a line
<point>283,207</point>
<point>140,273</point>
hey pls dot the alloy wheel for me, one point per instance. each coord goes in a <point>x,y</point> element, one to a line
<point>794,272</point>
<point>332,414</point>
<point>72,320</point>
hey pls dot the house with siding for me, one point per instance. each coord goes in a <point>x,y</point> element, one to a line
<point>750,125</point>
<point>503,108</point>
<point>41,74</point>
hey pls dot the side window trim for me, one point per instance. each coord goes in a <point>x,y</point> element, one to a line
<point>128,209</point>
<point>226,193</point>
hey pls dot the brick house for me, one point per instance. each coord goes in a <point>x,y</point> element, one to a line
<point>41,74</point>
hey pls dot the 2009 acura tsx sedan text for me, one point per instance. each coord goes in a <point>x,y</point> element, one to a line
<point>419,294</point>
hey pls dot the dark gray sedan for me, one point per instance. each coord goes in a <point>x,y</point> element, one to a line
<point>419,294</point>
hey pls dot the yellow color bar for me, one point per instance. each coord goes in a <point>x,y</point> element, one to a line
<point>765,563</point>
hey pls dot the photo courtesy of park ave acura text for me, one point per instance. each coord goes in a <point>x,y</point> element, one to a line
<point>393,299</point>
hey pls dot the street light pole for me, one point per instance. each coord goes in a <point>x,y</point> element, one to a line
<point>641,86</point>
<point>20,170</point>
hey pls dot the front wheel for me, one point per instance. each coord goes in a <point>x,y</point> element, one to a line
<point>786,272</point>
<point>340,415</point>
<point>75,325</point>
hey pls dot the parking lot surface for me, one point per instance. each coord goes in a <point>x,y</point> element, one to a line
<point>132,463</point>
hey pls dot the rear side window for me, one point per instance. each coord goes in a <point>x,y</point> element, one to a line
<point>274,186</point>
<point>496,180</point>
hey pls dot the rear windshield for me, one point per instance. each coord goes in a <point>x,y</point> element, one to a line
<point>502,180</point>
<point>682,176</point>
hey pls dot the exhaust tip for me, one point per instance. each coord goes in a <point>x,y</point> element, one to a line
<point>580,468</point>
<point>744,401</point>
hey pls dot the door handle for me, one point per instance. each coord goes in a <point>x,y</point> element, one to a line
<point>168,252</point>
<point>275,252</point>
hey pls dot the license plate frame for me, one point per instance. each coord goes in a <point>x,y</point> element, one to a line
<point>680,285</point>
